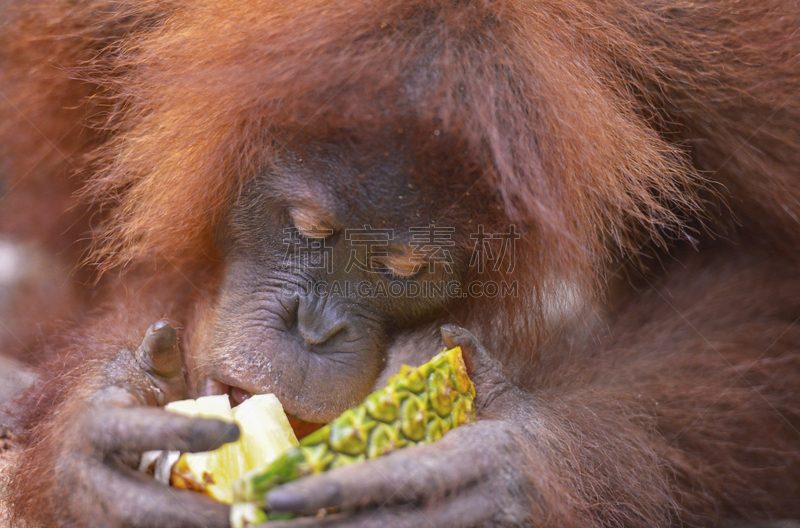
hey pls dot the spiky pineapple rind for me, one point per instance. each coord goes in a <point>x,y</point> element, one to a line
<point>418,406</point>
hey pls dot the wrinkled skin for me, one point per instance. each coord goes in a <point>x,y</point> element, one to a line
<point>276,302</point>
<point>479,467</point>
<point>647,151</point>
<point>531,457</point>
<point>582,441</point>
<point>120,422</point>
<point>391,491</point>
<point>318,351</point>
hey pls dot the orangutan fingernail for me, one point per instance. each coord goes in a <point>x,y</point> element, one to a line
<point>285,500</point>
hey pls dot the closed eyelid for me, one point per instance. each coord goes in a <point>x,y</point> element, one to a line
<point>404,265</point>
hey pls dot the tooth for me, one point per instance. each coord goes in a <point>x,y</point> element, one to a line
<point>215,388</point>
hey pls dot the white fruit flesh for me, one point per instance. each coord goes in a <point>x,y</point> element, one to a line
<point>265,434</point>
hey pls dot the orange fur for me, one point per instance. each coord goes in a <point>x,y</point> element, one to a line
<point>602,128</point>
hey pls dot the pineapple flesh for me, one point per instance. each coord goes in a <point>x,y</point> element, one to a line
<point>265,434</point>
<point>417,406</point>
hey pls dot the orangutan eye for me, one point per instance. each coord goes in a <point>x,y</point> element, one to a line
<point>404,265</point>
<point>310,224</point>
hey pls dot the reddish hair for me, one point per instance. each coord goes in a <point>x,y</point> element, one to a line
<point>572,105</point>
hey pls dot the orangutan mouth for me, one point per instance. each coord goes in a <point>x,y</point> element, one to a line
<point>237,395</point>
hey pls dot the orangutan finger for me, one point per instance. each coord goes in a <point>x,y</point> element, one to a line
<point>141,429</point>
<point>423,472</point>
<point>133,500</point>
<point>467,510</point>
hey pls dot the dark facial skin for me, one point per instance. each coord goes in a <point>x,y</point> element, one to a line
<point>120,421</point>
<point>644,374</point>
<point>320,256</point>
<point>280,326</point>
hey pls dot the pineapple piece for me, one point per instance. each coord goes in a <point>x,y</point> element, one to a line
<point>265,434</point>
<point>417,406</point>
<point>210,472</point>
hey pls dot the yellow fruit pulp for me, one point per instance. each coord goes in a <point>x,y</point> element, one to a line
<point>265,434</point>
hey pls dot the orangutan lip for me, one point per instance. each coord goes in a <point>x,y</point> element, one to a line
<point>237,395</point>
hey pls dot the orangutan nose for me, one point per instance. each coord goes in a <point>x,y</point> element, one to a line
<point>318,320</point>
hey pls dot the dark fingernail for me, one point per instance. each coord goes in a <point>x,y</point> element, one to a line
<point>165,336</point>
<point>231,434</point>
<point>159,353</point>
<point>285,500</point>
<point>210,434</point>
<point>450,334</point>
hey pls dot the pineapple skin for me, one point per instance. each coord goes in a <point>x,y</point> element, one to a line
<point>417,406</point>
